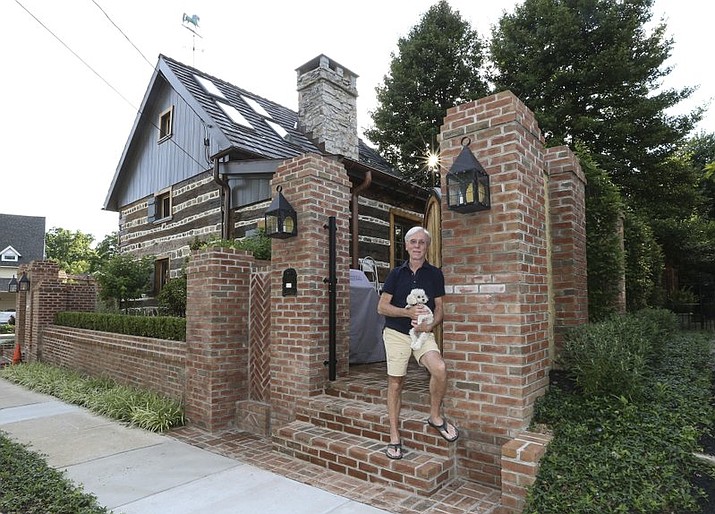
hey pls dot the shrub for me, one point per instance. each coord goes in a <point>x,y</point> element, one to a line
<point>612,454</point>
<point>607,358</point>
<point>30,485</point>
<point>160,327</point>
<point>101,395</point>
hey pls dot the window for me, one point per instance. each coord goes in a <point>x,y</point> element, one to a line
<point>209,86</point>
<point>234,115</point>
<point>161,274</point>
<point>159,207</point>
<point>399,226</point>
<point>166,124</point>
<point>9,254</point>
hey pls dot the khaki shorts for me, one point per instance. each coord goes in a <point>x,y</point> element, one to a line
<point>397,348</point>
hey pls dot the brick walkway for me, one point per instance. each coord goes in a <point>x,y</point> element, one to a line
<point>459,497</point>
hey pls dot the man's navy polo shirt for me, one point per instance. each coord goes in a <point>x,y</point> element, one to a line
<point>401,281</point>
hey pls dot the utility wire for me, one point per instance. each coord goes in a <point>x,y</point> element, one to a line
<point>122,33</point>
<point>76,55</point>
<point>139,111</point>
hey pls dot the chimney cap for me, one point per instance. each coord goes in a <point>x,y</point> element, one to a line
<point>323,61</point>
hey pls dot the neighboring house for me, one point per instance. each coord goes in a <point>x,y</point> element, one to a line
<point>201,154</point>
<point>22,240</point>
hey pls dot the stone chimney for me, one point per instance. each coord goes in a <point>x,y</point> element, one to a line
<point>327,106</point>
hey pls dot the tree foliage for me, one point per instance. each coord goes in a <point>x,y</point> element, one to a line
<point>604,255</point>
<point>644,264</point>
<point>437,67</point>
<point>592,72</point>
<point>123,277</point>
<point>71,250</point>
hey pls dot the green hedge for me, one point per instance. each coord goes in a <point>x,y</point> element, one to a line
<point>160,327</point>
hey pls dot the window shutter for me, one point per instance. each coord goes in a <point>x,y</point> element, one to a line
<point>151,209</point>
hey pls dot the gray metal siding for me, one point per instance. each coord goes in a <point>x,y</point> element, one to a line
<point>154,166</point>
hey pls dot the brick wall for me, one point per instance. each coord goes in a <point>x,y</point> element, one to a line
<point>217,313</point>
<point>567,211</point>
<point>497,324</point>
<point>519,466</point>
<point>144,362</point>
<point>317,188</point>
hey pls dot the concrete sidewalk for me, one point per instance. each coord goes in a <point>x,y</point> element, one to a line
<point>133,471</point>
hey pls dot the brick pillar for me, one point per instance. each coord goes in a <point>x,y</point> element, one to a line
<point>497,323</point>
<point>317,188</point>
<point>48,295</point>
<point>567,193</point>
<point>520,459</point>
<point>217,309</point>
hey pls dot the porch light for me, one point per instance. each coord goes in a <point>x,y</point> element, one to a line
<point>12,286</point>
<point>467,183</point>
<point>24,283</point>
<point>281,219</point>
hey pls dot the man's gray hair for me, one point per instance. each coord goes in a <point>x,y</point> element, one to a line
<point>414,230</point>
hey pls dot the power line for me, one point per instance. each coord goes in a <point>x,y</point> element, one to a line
<point>122,33</point>
<point>136,109</point>
<point>76,55</point>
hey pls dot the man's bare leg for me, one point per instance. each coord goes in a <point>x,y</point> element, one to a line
<point>434,363</point>
<point>394,405</point>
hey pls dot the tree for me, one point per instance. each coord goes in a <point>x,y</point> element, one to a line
<point>591,72</point>
<point>604,255</point>
<point>122,278</point>
<point>71,250</point>
<point>105,249</point>
<point>437,67</point>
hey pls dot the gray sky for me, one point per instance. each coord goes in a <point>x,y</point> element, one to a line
<point>65,126</point>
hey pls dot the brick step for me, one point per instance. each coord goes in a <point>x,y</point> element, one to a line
<point>362,457</point>
<point>370,420</point>
<point>415,393</point>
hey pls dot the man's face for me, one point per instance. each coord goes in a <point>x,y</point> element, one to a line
<point>417,245</point>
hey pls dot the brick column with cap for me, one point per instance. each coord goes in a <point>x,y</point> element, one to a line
<point>497,326</point>
<point>317,188</point>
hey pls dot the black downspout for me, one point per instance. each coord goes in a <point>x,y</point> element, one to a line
<point>332,297</point>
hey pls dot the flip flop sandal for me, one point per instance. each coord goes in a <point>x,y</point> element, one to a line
<point>443,430</point>
<point>396,449</point>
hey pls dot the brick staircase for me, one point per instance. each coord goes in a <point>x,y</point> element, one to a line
<point>346,430</point>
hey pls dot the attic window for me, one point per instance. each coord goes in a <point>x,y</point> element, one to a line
<point>256,106</point>
<point>166,124</point>
<point>279,130</point>
<point>209,86</point>
<point>9,254</point>
<point>235,116</point>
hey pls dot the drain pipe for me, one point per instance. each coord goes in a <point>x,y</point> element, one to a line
<point>354,219</point>
<point>225,193</point>
<point>332,281</point>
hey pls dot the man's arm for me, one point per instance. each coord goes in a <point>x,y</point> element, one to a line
<point>386,308</point>
<point>438,316</point>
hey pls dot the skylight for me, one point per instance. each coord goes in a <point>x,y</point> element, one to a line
<point>256,106</point>
<point>235,116</point>
<point>279,130</point>
<point>209,86</point>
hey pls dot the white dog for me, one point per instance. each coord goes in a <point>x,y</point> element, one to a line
<point>419,297</point>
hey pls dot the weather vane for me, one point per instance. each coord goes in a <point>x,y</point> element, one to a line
<point>192,23</point>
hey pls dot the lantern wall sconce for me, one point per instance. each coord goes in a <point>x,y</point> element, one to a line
<point>24,283</point>
<point>280,218</point>
<point>16,285</point>
<point>467,183</point>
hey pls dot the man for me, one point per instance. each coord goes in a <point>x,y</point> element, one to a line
<point>414,273</point>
